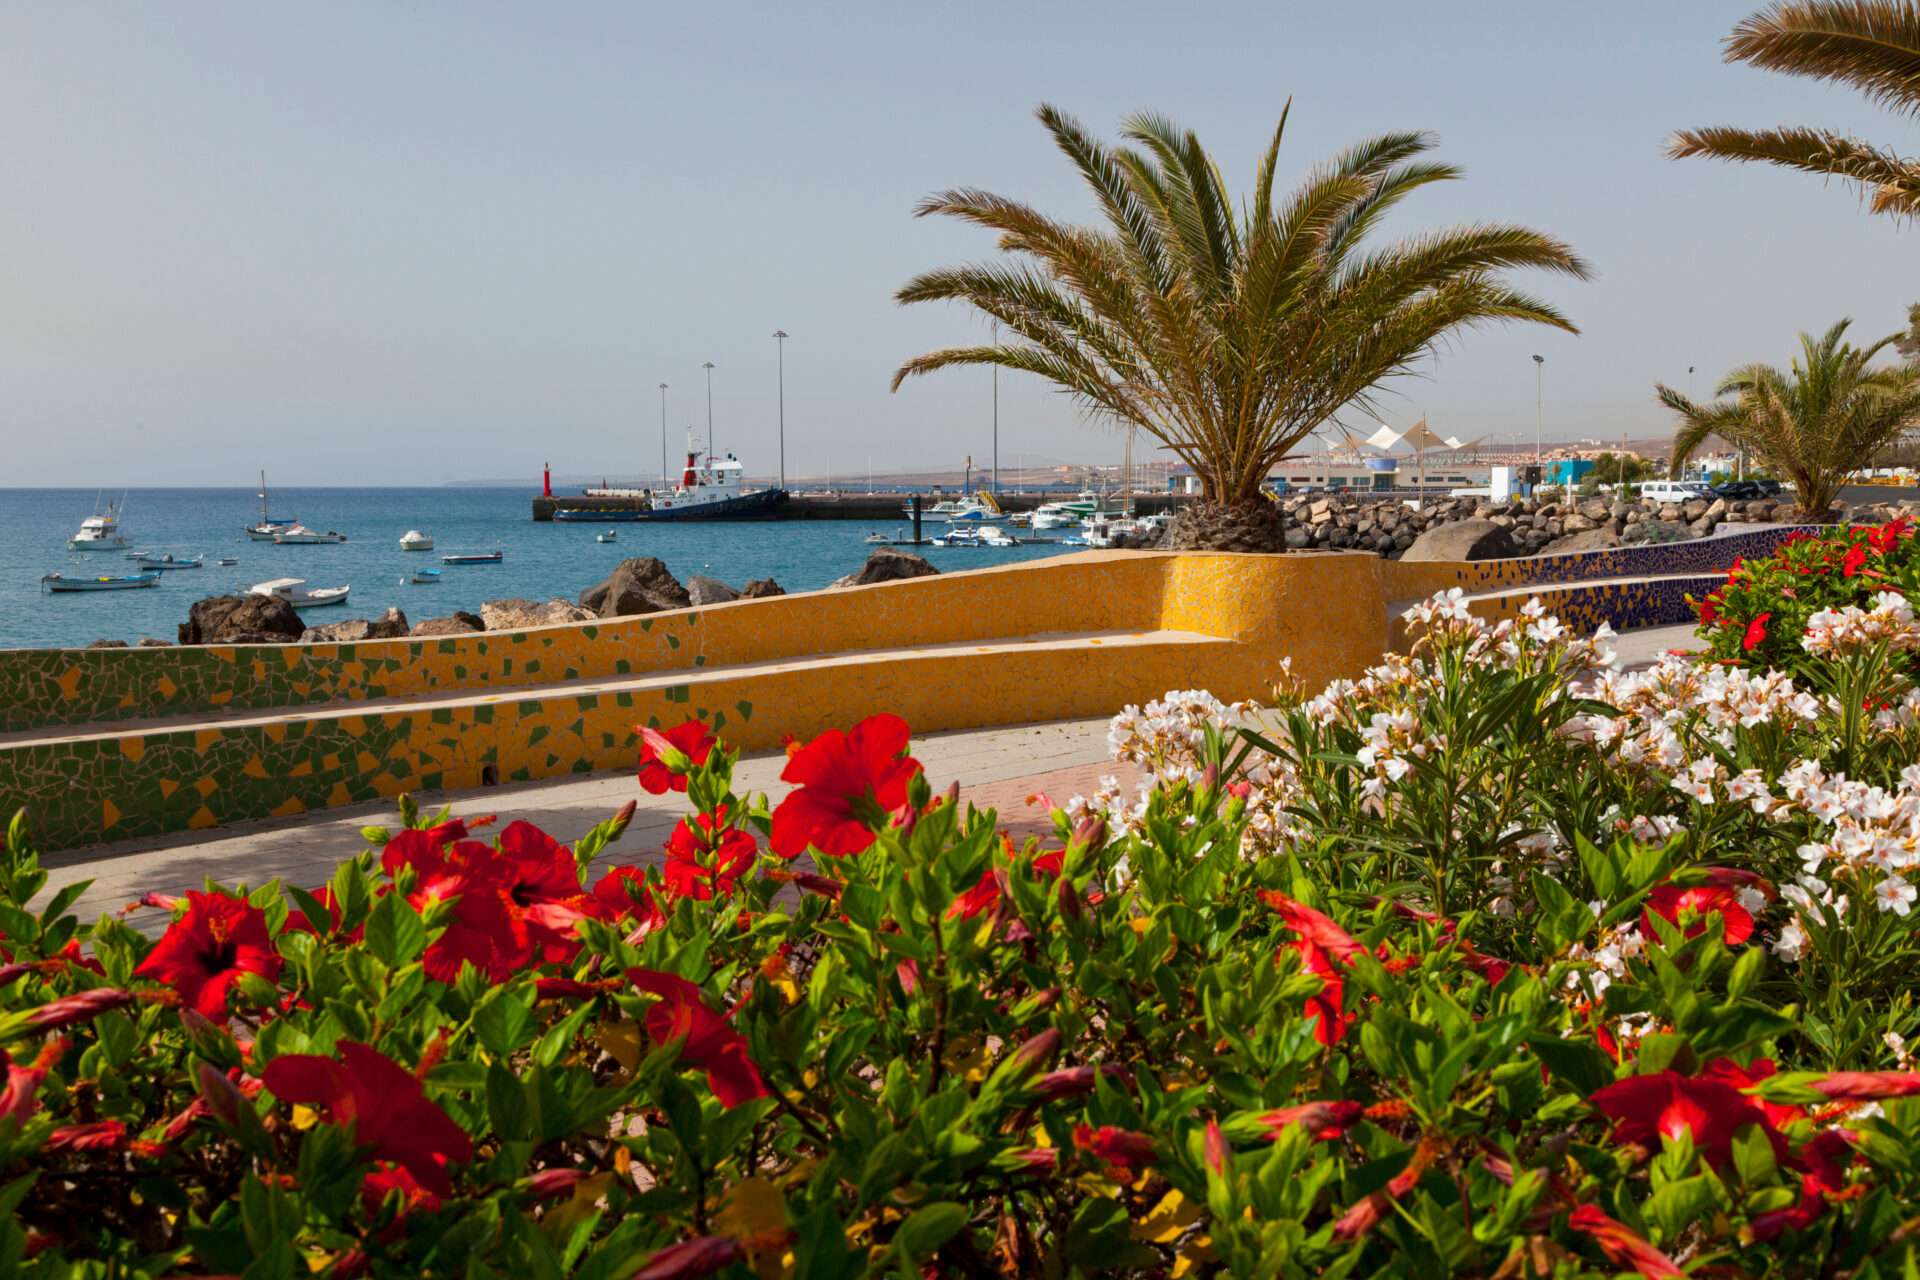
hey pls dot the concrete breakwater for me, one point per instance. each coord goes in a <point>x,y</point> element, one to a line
<point>876,508</point>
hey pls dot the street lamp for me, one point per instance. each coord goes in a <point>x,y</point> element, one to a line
<point>708,366</point>
<point>1539,381</point>
<point>663,435</point>
<point>780,343</point>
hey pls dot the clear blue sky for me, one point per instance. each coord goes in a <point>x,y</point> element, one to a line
<point>403,243</point>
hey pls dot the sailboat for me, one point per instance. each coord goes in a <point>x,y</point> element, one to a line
<point>267,530</point>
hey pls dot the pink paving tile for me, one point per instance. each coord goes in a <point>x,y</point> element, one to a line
<point>1009,796</point>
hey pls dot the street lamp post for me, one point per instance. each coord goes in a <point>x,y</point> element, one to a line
<point>780,343</point>
<point>708,366</point>
<point>1539,382</point>
<point>663,435</point>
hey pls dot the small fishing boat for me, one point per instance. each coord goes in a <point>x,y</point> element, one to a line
<point>228,560</point>
<point>994,536</point>
<point>414,540</point>
<point>100,532</point>
<point>169,561</point>
<point>879,540</point>
<point>424,577</point>
<point>123,582</point>
<point>485,557</point>
<point>611,535</point>
<point>958,538</point>
<point>301,536</point>
<point>296,592</point>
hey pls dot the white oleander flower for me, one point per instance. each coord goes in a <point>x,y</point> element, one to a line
<point>1895,895</point>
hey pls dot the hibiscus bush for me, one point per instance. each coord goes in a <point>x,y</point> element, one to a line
<point>1763,612</point>
<point>1494,962</point>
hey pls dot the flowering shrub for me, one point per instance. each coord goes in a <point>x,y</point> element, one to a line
<point>1494,961</point>
<point>1763,612</point>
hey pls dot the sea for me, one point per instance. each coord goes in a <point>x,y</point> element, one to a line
<point>542,560</point>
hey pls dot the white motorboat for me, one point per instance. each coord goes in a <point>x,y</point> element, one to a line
<point>1054,515</point>
<point>414,540</point>
<point>301,536</point>
<point>611,535</point>
<point>296,592</point>
<point>228,560</point>
<point>995,536</point>
<point>958,538</point>
<point>100,532</point>
<point>60,582</point>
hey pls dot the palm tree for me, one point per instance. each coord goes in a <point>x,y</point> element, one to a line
<point>1826,415</point>
<point>1229,337</point>
<point>1871,45</point>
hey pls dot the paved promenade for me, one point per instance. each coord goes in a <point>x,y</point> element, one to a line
<point>997,768</point>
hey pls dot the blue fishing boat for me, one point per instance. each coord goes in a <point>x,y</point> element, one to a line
<point>122,582</point>
<point>425,577</point>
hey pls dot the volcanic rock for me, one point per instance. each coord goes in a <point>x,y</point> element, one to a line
<point>760,588</point>
<point>703,590</point>
<point>1462,540</point>
<point>109,644</point>
<point>148,642</point>
<point>461,623</point>
<point>226,619</point>
<point>887,564</point>
<point>1586,540</point>
<point>639,585</point>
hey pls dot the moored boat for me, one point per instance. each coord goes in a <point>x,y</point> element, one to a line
<point>301,536</point>
<point>414,540</point>
<point>100,532</point>
<point>121,582</point>
<point>296,592</point>
<point>267,530</point>
<point>610,535</point>
<point>228,560</point>
<point>169,561</point>
<point>485,557</point>
<point>424,577</point>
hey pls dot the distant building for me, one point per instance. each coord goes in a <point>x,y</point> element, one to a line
<point>1568,471</point>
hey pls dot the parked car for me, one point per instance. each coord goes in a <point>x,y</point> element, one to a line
<point>1673,491</point>
<point>1737,490</point>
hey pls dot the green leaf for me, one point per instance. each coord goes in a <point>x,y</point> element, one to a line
<point>395,931</point>
<point>1753,1155</point>
<point>1580,1063</point>
<point>505,1024</point>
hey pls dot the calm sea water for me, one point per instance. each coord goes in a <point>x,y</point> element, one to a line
<point>542,560</point>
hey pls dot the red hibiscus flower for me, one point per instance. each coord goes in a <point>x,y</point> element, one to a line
<point>486,927</point>
<point>1122,1151</point>
<point>383,1104</point>
<point>1321,944</point>
<point>666,757</point>
<point>545,891</point>
<point>386,1181</point>
<point>1888,534</point>
<point>1855,561</point>
<point>623,893</point>
<point>297,921</point>
<point>848,785</point>
<point>1748,1077</point>
<point>1622,1246</point>
<point>698,865</point>
<point>1664,1105</point>
<point>1710,609</point>
<point>204,951</point>
<point>991,887</point>
<point>1756,632</point>
<point>20,1097</point>
<point>1673,903</point>
<point>710,1043</point>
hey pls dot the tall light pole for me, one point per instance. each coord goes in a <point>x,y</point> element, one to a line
<point>1539,382</point>
<point>996,413</point>
<point>663,435</point>
<point>708,366</point>
<point>780,343</point>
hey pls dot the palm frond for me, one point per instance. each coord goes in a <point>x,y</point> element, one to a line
<point>1869,45</point>
<point>1890,183</point>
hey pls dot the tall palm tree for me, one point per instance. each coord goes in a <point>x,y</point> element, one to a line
<point>1228,336</point>
<point>1824,416</point>
<point>1871,45</point>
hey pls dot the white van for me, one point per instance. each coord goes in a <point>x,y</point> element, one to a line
<point>1674,491</point>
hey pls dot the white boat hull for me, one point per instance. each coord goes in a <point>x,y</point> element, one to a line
<point>98,544</point>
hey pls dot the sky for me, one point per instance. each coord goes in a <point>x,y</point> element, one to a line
<point>408,243</point>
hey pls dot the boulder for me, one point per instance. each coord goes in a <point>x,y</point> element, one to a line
<point>1596,510</point>
<point>351,631</point>
<point>1662,531</point>
<point>1579,522</point>
<point>390,625</point>
<point>1703,526</point>
<point>1298,539</point>
<point>1462,540</point>
<point>460,624</point>
<point>760,588</point>
<point>148,642</point>
<point>1598,539</point>
<point>704,590</point>
<point>639,585</point>
<point>887,564</point>
<point>516,614</point>
<point>227,619</point>
<point>109,644</point>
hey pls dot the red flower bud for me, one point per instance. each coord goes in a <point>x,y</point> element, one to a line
<point>1091,833</point>
<point>1074,1082</point>
<point>81,1007</point>
<point>1035,1159</point>
<point>221,1095</point>
<point>692,1259</point>
<point>1071,908</point>
<point>1868,1086</point>
<point>102,1135</point>
<point>1321,1120</point>
<point>625,816</point>
<point>11,971</point>
<point>163,901</point>
<point>1035,1051</point>
<point>549,1183</point>
<point>1219,1154</point>
<point>562,989</point>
